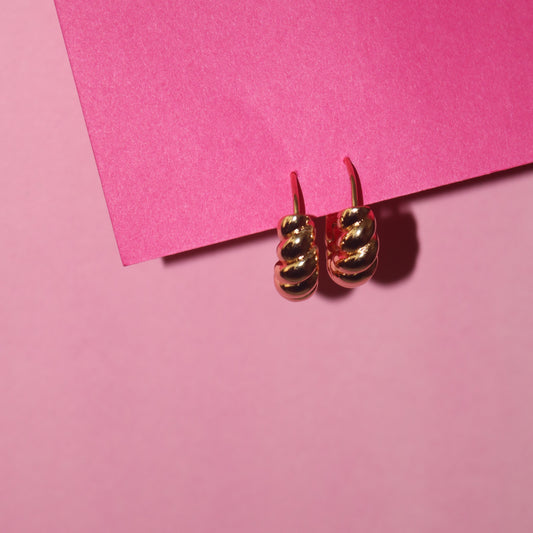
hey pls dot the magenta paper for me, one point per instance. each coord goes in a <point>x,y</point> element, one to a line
<point>198,111</point>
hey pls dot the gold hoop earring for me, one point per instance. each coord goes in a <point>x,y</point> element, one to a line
<point>296,272</point>
<point>351,240</point>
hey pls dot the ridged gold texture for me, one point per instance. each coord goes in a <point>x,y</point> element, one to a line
<point>352,246</point>
<point>296,272</point>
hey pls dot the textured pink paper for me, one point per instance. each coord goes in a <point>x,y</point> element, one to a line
<point>198,111</point>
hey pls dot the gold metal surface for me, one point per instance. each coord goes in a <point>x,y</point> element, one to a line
<point>296,272</point>
<point>351,241</point>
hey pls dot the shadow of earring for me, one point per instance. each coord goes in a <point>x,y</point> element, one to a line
<point>399,245</point>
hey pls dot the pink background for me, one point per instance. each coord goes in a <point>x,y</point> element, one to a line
<point>198,110</point>
<point>186,395</point>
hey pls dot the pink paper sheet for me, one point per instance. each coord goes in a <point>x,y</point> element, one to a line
<point>198,111</point>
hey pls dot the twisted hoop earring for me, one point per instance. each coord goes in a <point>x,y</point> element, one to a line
<point>296,272</point>
<point>351,240</point>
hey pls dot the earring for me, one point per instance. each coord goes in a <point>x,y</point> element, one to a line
<point>296,272</point>
<point>351,240</point>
